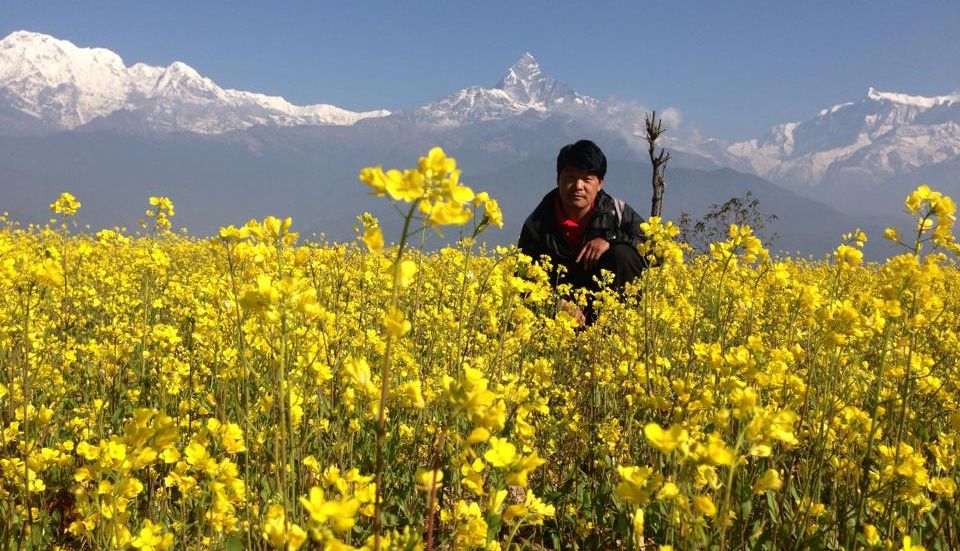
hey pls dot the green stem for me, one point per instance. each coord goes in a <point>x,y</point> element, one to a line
<point>385,384</point>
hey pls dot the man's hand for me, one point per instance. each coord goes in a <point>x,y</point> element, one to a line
<point>592,251</point>
<point>574,311</point>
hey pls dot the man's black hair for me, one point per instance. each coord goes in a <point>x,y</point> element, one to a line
<point>584,155</point>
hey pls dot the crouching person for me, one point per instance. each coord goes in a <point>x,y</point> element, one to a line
<point>582,228</point>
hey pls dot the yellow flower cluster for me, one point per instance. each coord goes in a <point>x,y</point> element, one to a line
<point>435,188</point>
<point>159,214</point>
<point>248,391</point>
<point>66,204</point>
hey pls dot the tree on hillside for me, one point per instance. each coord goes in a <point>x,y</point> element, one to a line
<point>713,226</point>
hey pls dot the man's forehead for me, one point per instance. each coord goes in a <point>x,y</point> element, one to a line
<point>571,170</point>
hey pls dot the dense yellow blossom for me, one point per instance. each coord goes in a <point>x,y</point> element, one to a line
<point>252,390</point>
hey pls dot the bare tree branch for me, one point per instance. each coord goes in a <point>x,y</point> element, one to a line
<point>659,161</point>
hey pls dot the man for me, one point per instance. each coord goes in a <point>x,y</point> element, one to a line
<point>581,227</point>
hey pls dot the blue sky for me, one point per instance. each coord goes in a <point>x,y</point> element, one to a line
<point>733,68</point>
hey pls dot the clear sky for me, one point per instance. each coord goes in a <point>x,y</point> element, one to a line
<point>733,68</point>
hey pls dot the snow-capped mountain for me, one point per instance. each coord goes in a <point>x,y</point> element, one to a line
<point>60,86</point>
<point>49,85</point>
<point>524,89</point>
<point>882,135</point>
<point>228,155</point>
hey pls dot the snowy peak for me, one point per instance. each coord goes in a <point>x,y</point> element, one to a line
<point>523,89</point>
<point>180,79</point>
<point>27,57</point>
<point>63,86</point>
<point>180,72</point>
<point>883,134</point>
<point>526,83</point>
<point>522,78</point>
<point>914,101</point>
<point>57,82</point>
<point>38,48</point>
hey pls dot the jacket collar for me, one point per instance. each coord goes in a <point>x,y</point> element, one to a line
<point>601,221</point>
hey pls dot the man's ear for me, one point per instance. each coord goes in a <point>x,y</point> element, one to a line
<point>600,185</point>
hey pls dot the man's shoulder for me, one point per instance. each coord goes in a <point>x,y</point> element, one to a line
<point>610,203</point>
<point>611,200</point>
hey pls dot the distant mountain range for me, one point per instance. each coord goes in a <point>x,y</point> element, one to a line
<point>80,119</point>
<point>48,85</point>
<point>861,154</point>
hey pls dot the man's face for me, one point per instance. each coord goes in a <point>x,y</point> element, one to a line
<point>578,188</point>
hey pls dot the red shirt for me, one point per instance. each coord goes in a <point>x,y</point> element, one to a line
<point>571,229</point>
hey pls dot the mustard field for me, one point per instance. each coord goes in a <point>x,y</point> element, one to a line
<point>253,390</point>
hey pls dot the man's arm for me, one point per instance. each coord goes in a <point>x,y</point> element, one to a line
<point>528,243</point>
<point>629,231</point>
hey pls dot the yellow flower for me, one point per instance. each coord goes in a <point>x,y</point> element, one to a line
<point>636,484</point>
<point>170,455</point>
<point>411,394</point>
<point>470,476</point>
<point>341,513</point>
<point>395,323</point>
<point>521,469</point>
<point>453,190</point>
<point>405,186</point>
<point>665,440</point>
<point>717,451</point>
<point>668,491</point>
<point>275,228</point>
<point>450,213</point>
<point>908,545</point>
<point>87,451</point>
<point>532,511</point>
<point>705,505</point>
<point>437,163</point>
<point>373,238</point>
<point>636,524</point>
<point>470,527</point>
<point>501,454</point>
<point>152,538</point>
<point>492,213</point>
<point>848,257</point>
<point>477,435</point>
<point>707,476</point>
<point>197,454</point>
<point>428,479</point>
<point>66,204</point>
<point>769,480</point>
<point>277,531</point>
<point>375,178</point>
<point>916,197</point>
<point>945,487</point>
<point>408,270</point>
<point>231,438</point>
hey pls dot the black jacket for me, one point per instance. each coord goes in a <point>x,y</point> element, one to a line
<point>541,235</point>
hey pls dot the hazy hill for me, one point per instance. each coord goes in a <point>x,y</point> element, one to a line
<point>312,176</point>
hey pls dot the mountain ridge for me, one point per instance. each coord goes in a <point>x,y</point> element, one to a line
<point>882,137</point>
<point>65,87</point>
<point>526,115</point>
